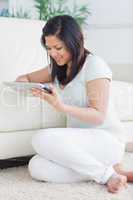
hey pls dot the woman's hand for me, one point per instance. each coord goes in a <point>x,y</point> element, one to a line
<point>53,98</point>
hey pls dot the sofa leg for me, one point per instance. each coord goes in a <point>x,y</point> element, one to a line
<point>15,162</point>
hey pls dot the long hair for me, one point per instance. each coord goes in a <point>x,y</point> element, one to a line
<point>65,28</point>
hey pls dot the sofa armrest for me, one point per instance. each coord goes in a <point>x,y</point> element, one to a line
<point>122,94</point>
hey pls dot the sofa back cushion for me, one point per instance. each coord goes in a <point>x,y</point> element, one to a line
<point>20,48</point>
<point>21,52</point>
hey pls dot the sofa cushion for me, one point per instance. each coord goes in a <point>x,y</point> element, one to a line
<point>18,112</point>
<point>16,144</point>
<point>122,93</point>
<point>20,47</point>
<point>51,117</point>
<point>26,112</point>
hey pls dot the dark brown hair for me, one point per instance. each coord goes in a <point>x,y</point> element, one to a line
<point>67,30</point>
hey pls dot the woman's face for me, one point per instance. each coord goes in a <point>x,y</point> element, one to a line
<point>57,50</point>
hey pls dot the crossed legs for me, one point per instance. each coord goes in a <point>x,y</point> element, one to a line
<point>67,155</point>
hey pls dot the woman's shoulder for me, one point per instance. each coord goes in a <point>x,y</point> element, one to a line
<point>96,67</point>
<point>93,59</point>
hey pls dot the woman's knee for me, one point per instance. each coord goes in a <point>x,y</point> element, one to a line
<point>41,140</point>
<point>115,152</point>
<point>36,140</point>
<point>33,166</point>
<point>46,142</point>
<point>52,144</point>
<point>119,153</point>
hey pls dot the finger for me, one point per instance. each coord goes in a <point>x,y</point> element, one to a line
<point>36,90</point>
<point>54,91</point>
<point>51,86</point>
<point>35,93</point>
<point>40,93</point>
<point>44,95</point>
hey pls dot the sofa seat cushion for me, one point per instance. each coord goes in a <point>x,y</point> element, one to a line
<point>25,112</point>
<point>18,144</point>
<point>18,112</point>
<point>52,118</point>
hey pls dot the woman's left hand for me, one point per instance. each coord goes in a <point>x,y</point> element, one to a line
<point>53,99</point>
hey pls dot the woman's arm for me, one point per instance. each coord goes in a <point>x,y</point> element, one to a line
<point>39,76</point>
<point>98,93</point>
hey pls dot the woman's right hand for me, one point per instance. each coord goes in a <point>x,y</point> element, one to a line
<point>22,78</point>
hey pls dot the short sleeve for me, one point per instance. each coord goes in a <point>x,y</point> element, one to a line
<point>96,68</point>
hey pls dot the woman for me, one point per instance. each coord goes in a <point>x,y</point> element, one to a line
<point>80,84</point>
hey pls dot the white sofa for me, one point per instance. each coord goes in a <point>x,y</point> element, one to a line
<point>22,116</point>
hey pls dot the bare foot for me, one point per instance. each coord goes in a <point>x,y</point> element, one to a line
<point>129,174</point>
<point>116,182</point>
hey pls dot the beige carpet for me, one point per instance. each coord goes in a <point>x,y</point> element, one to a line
<point>16,184</point>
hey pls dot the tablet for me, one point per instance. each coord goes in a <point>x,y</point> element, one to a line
<point>25,87</point>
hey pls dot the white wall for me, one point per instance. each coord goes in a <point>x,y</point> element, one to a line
<point>111,12</point>
<point>26,5</point>
<point>29,5</point>
<point>3,4</point>
<point>115,45</point>
<point>110,28</point>
<point>110,31</point>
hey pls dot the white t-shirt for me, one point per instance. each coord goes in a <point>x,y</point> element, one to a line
<point>75,94</point>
